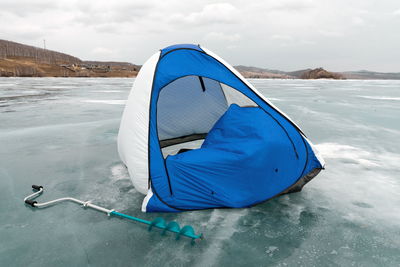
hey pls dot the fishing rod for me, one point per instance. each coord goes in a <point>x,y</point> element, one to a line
<point>159,222</point>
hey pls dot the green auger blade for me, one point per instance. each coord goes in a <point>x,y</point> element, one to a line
<point>172,227</point>
<point>157,222</point>
<point>161,224</point>
<point>187,230</point>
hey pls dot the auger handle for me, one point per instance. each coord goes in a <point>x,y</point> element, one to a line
<point>30,202</point>
<point>37,187</point>
<point>29,199</point>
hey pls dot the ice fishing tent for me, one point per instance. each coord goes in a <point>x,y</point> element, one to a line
<point>195,135</point>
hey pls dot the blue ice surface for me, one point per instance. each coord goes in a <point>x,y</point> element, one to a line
<point>61,133</point>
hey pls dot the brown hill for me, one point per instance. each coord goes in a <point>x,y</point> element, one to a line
<point>320,73</point>
<point>254,72</point>
<point>10,49</point>
<point>18,60</point>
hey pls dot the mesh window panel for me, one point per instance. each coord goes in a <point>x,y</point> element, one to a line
<point>188,106</point>
<point>233,96</point>
<point>185,108</point>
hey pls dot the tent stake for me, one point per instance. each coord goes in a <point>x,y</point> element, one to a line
<point>157,223</point>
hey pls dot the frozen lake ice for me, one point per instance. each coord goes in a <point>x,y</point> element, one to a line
<point>61,133</point>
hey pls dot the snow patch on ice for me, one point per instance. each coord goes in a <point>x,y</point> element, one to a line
<point>295,211</point>
<point>119,172</point>
<point>355,155</point>
<point>364,191</point>
<point>349,153</point>
<point>274,99</point>
<point>380,97</point>
<point>270,250</point>
<point>107,91</point>
<point>226,221</point>
<point>109,101</point>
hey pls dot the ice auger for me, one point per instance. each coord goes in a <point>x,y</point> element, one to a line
<point>156,223</point>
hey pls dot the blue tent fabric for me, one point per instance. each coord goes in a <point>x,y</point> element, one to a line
<point>245,159</point>
<point>190,180</point>
<point>179,46</point>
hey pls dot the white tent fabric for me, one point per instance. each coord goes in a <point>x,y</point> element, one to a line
<point>133,132</point>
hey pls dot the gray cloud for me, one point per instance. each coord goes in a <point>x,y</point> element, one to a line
<point>290,5</point>
<point>286,34</point>
<point>24,8</point>
<point>215,13</point>
<point>106,13</point>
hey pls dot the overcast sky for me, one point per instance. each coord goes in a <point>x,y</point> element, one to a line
<point>281,34</point>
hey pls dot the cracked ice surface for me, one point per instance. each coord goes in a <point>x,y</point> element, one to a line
<point>61,133</point>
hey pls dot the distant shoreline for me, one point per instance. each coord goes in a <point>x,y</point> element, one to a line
<point>29,67</point>
<point>22,66</point>
<point>19,60</point>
